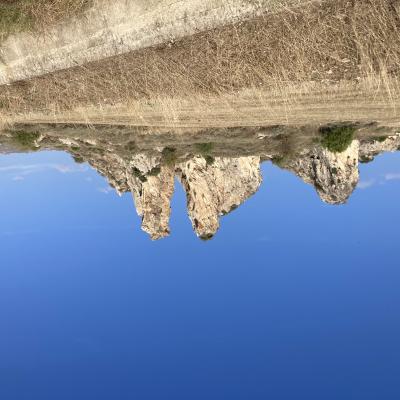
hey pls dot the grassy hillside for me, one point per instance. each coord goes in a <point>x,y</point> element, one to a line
<point>23,15</point>
<point>322,47</point>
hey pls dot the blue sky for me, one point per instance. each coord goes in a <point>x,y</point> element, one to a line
<point>293,298</point>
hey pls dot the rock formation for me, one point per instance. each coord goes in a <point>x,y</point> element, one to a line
<point>214,183</point>
<point>334,175</point>
<point>369,150</point>
<point>215,190</point>
<point>212,190</point>
<point>152,196</point>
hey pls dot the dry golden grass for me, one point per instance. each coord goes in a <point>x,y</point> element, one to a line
<point>303,104</point>
<point>323,60</point>
<point>36,15</point>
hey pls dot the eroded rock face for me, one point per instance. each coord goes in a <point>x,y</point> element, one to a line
<point>215,190</point>
<point>114,169</point>
<point>215,183</point>
<point>334,175</point>
<point>150,184</point>
<point>369,150</point>
<point>212,189</point>
<point>153,201</point>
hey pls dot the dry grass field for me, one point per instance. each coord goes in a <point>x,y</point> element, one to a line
<point>323,61</point>
<point>37,15</point>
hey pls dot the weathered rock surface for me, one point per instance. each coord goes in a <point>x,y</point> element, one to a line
<point>334,175</point>
<point>212,190</point>
<point>214,184</point>
<point>152,196</point>
<point>369,150</point>
<point>215,190</point>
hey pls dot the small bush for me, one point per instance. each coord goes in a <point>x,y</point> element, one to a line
<point>209,160</point>
<point>280,161</point>
<point>169,156</point>
<point>337,138</point>
<point>154,171</point>
<point>204,148</point>
<point>78,159</point>
<point>26,140</point>
<point>131,146</point>
<point>138,173</point>
<point>366,159</point>
<point>379,139</point>
<point>207,237</point>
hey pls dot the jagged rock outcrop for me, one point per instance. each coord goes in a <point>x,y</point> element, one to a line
<point>215,190</point>
<point>113,168</point>
<point>369,150</point>
<point>150,184</point>
<point>152,195</point>
<point>214,185</point>
<point>334,175</point>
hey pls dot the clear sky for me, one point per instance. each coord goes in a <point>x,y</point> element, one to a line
<point>293,299</point>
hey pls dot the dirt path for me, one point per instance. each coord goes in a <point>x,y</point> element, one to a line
<point>247,108</point>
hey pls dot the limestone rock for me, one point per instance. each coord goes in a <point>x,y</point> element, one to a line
<point>152,196</point>
<point>369,150</point>
<point>215,190</point>
<point>334,175</point>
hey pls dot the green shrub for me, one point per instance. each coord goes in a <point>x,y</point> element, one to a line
<point>204,148</point>
<point>78,159</point>
<point>209,160</point>
<point>366,159</point>
<point>138,173</point>
<point>280,161</point>
<point>379,139</point>
<point>337,138</point>
<point>154,171</point>
<point>169,156</point>
<point>207,237</point>
<point>131,146</point>
<point>26,140</point>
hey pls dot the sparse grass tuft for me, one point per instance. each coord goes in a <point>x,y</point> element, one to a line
<point>204,148</point>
